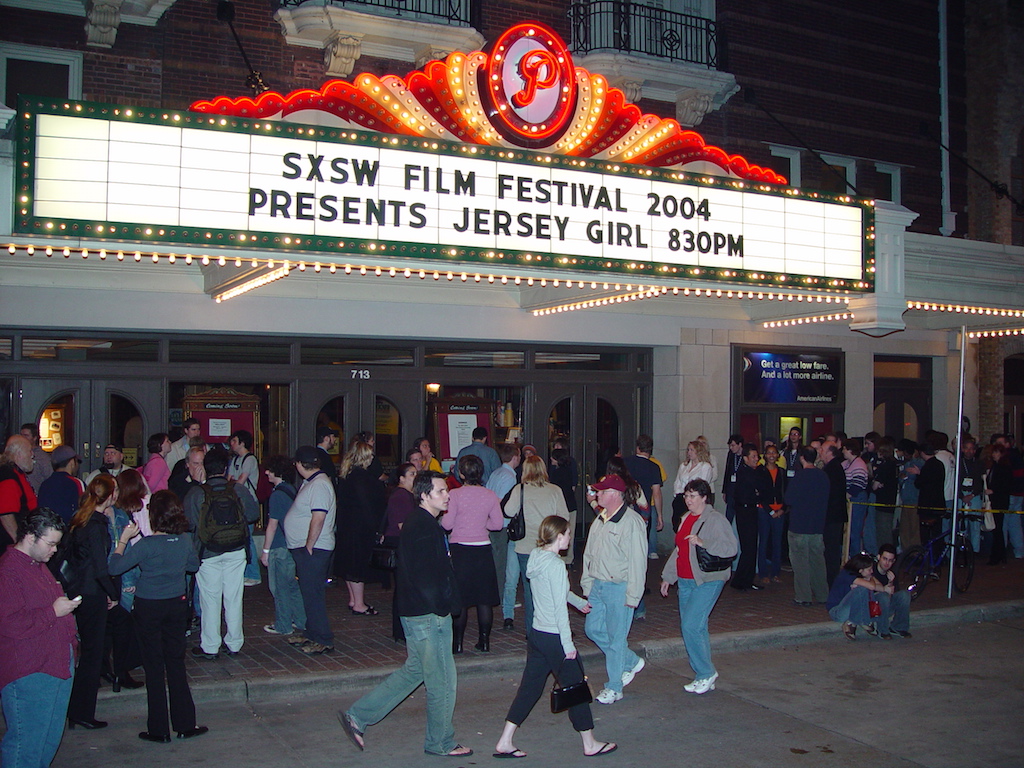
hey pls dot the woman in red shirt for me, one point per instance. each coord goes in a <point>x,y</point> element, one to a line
<point>701,526</point>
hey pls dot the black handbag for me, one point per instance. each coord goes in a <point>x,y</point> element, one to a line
<point>711,563</point>
<point>517,525</point>
<point>565,697</point>
<point>384,557</point>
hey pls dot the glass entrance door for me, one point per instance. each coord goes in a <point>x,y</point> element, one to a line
<point>89,414</point>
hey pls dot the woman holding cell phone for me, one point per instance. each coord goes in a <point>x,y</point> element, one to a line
<point>161,614</point>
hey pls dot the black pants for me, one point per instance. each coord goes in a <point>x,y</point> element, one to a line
<point>746,528</point>
<point>91,617</point>
<point>161,625</point>
<point>544,656</point>
<point>122,642</point>
<point>833,540</point>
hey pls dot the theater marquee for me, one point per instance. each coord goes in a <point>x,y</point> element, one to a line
<point>102,172</point>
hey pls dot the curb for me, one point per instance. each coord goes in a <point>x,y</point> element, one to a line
<point>265,690</point>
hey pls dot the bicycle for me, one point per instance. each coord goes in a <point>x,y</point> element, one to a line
<point>919,565</point>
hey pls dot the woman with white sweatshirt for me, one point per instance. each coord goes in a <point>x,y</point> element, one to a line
<point>549,641</point>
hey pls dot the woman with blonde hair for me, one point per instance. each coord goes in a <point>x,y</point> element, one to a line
<point>549,648</point>
<point>361,504</point>
<point>696,467</point>
<point>538,499</point>
<point>89,534</point>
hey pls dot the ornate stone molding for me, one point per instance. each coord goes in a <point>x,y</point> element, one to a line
<point>695,90</point>
<point>146,13</point>
<point>387,37</point>
<point>632,89</point>
<point>103,17</point>
<point>340,53</point>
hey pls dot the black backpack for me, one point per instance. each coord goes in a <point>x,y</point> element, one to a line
<point>222,526</point>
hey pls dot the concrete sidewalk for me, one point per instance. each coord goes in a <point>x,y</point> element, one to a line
<point>267,668</point>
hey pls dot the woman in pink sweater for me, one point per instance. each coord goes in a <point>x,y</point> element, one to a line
<point>473,510</point>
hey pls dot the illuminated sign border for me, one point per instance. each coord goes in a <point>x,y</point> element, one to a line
<point>296,247</point>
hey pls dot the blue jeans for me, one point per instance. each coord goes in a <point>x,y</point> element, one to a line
<point>895,611</point>
<point>312,573</point>
<point>288,607</point>
<point>252,568</point>
<point>973,526</point>
<point>428,641</point>
<point>35,707</point>
<point>862,525</point>
<point>608,625</point>
<point>508,598</point>
<point>768,527</point>
<point>695,604</point>
<point>1012,527</point>
<point>853,608</point>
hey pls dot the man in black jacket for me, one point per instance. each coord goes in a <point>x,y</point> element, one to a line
<point>427,597</point>
<point>837,514</point>
<point>748,492</point>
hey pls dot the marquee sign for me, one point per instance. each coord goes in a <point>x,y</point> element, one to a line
<point>242,180</point>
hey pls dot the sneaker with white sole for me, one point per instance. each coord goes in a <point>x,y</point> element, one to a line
<point>629,674</point>
<point>703,685</point>
<point>608,696</point>
<point>269,629</point>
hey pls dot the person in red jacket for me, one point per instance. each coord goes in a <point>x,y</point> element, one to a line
<point>17,498</point>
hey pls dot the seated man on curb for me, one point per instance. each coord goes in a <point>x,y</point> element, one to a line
<point>851,592</point>
<point>895,616</point>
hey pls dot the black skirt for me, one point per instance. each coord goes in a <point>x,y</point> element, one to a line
<point>475,574</point>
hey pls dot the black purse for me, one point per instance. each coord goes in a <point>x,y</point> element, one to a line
<point>383,557</point>
<point>711,563</point>
<point>517,525</point>
<point>565,697</point>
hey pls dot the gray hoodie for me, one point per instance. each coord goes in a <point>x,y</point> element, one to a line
<point>550,586</point>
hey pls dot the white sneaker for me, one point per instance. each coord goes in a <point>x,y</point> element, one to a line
<point>629,674</point>
<point>701,686</point>
<point>269,629</point>
<point>251,582</point>
<point>608,696</point>
<point>652,556</point>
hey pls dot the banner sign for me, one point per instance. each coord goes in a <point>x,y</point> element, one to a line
<point>791,378</point>
<point>109,173</point>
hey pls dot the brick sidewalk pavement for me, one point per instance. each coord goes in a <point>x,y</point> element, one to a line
<point>364,643</point>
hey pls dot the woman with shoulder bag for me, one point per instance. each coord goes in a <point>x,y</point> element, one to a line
<point>549,648</point>
<point>538,499</point>
<point>704,540</point>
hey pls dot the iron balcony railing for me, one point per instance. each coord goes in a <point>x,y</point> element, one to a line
<point>451,12</point>
<point>616,25</point>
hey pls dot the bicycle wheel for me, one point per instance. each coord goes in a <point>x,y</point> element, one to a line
<point>963,565</point>
<point>912,571</point>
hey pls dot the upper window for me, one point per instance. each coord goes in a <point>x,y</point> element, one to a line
<point>31,70</point>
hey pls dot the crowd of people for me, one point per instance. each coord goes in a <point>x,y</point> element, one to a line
<point>119,569</point>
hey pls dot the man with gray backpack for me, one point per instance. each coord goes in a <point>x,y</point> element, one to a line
<point>219,512</point>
